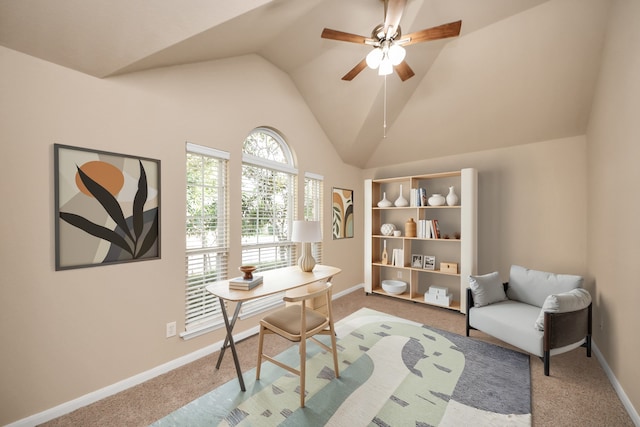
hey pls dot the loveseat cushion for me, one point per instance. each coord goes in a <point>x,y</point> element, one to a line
<point>576,299</point>
<point>486,289</point>
<point>532,287</point>
<point>509,321</point>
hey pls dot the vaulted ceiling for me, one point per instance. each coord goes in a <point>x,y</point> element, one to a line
<point>521,71</point>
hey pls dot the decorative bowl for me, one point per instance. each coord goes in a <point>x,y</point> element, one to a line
<point>248,271</point>
<point>387,229</point>
<point>395,287</point>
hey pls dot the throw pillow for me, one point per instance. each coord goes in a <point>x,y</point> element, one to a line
<point>576,299</point>
<point>486,289</point>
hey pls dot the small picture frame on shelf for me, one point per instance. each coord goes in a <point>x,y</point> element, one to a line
<point>429,262</point>
<point>416,261</point>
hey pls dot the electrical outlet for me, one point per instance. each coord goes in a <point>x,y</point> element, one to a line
<point>602,324</point>
<point>171,329</point>
<point>399,274</point>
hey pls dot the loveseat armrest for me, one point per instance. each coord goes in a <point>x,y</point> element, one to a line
<point>563,329</point>
<point>469,305</point>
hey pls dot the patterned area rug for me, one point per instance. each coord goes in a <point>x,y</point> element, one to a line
<point>393,372</point>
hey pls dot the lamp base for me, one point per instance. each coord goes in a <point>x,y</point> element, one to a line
<point>306,262</point>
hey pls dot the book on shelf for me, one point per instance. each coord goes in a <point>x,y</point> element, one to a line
<point>244,284</point>
<point>418,197</point>
<point>428,229</point>
<point>397,260</point>
<point>436,229</point>
<point>422,199</point>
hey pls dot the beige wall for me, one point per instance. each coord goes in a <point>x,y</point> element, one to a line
<point>531,203</point>
<point>65,334</point>
<point>614,202</point>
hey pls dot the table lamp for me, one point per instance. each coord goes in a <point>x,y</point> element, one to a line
<point>306,232</point>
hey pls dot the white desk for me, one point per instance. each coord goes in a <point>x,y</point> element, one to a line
<point>274,281</point>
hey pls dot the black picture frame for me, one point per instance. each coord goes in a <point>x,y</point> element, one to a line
<point>107,208</point>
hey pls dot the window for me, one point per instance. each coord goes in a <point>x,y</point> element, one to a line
<point>268,208</point>
<point>313,207</point>
<point>207,249</point>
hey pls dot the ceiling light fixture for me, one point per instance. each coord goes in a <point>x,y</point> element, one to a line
<point>385,57</point>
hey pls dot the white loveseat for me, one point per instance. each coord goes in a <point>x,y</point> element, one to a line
<point>541,313</point>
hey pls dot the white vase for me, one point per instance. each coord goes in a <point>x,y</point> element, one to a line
<point>436,200</point>
<point>452,197</point>
<point>401,201</point>
<point>384,203</point>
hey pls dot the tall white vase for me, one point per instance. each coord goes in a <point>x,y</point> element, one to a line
<point>452,197</point>
<point>401,201</point>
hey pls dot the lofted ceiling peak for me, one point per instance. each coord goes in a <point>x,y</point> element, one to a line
<point>520,71</point>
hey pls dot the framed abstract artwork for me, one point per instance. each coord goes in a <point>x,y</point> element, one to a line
<point>107,208</point>
<point>342,211</point>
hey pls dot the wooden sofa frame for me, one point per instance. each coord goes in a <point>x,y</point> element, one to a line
<point>560,329</point>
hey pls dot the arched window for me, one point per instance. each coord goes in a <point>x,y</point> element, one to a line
<point>269,195</point>
<point>266,145</point>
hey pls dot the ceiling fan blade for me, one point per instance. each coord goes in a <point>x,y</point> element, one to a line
<point>443,31</point>
<point>355,70</point>
<point>392,15</point>
<point>328,33</point>
<point>404,71</point>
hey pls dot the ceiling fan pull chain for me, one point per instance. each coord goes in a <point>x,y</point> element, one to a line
<point>384,113</point>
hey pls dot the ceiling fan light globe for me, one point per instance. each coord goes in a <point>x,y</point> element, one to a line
<point>386,67</point>
<point>397,54</point>
<point>374,58</point>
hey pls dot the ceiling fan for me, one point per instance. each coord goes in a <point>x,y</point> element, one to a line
<point>388,52</point>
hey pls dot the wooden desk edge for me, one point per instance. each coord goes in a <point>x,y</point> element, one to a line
<point>286,278</point>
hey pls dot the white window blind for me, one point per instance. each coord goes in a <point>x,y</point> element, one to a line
<point>268,208</point>
<point>313,195</point>
<point>207,248</point>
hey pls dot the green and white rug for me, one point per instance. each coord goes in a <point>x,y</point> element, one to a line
<point>393,372</point>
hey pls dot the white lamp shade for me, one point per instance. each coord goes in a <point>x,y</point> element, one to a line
<point>306,231</point>
<point>396,54</point>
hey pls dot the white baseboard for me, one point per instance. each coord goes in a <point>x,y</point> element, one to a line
<point>633,413</point>
<point>105,392</point>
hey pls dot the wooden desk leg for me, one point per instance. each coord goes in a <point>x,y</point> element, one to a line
<point>229,340</point>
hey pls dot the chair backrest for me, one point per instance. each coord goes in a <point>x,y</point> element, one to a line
<point>308,292</point>
<point>533,287</point>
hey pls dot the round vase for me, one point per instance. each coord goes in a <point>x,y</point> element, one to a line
<point>384,203</point>
<point>401,201</point>
<point>436,200</point>
<point>387,229</point>
<point>452,197</point>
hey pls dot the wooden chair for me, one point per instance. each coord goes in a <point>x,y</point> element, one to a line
<point>297,323</point>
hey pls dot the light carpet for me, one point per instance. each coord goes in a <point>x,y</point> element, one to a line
<point>393,372</point>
